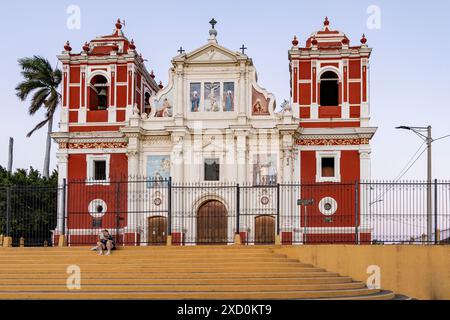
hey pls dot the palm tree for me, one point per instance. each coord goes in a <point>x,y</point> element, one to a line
<point>42,81</point>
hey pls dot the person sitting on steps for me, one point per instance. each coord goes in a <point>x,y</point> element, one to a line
<point>106,242</point>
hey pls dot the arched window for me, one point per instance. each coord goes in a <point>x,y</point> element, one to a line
<point>147,106</point>
<point>98,93</point>
<point>329,89</point>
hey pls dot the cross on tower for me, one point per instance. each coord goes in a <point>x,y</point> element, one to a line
<point>213,22</point>
<point>181,50</point>
<point>243,48</point>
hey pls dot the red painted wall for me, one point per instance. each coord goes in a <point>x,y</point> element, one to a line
<point>344,193</point>
<point>81,194</point>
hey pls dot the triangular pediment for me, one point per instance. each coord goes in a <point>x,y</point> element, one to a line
<point>213,146</point>
<point>212,53</point>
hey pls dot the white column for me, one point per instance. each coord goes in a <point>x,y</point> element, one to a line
<point>133,164</point>
<point>296,192</point>
<point>345,104</point>
<point>179,94</point>
<point>129,110</point>
<point>230,157</point>
<point>112,112</point>
<point>287,146</point>
<point>64,114</point>
<point>365,176</point>
<point>314,111</point>
<point>82,111</point>
<point>133,205</point>
<point>63,159</point>
<point>365,163</point>
<point>365,105</point>
<point>315,106</point>
<point>178,157</point>
<point>287,193</point>
<point>242,110</point>
<point>241,151</point>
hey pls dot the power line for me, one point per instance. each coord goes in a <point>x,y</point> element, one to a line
<point>441,138</point>
<point>402,173</point>
<point>409,161</point>
<point>412,164</point>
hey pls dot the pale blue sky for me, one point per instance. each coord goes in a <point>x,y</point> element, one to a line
<point>410,81</point>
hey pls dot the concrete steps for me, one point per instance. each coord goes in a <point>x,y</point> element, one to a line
<point>193,281</point>
<point>209,272</point>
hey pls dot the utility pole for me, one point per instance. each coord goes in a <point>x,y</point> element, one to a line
<point>429,185</point>
<point>429,141</point>
<point>10,155</point>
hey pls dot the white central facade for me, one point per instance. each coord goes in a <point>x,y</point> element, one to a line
<point>213,123</point>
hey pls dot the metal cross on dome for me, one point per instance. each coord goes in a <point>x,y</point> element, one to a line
<point>243,48</point>
<point>181,50</point>
<point>213,22</point>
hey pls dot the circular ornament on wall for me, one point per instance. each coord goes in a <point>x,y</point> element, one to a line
<point>328,206</point>
<point>265,200</point>
<point>97,208</point>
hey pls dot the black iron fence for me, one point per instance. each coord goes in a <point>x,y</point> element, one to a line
<point>28,214</point>
<point>155,212</point>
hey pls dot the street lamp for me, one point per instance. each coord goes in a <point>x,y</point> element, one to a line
<point>420,131</point>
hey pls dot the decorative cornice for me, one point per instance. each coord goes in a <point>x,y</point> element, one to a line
<point>166,138</point>
<point>332,141</point>
<point>93,145</point>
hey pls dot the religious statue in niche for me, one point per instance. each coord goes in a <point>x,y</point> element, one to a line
<point>164,107</point>
<point>195,97</point>
<point>260,104</point>
<point>228,99</point>
<point>158,169</point>
<point>260,108</point>
<point>265,169</point>
<point>165,111</point>
<point>212,96</point>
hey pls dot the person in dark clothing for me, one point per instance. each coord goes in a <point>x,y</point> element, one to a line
<point>106,242</point>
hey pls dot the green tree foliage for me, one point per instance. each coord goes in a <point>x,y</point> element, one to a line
<point>40,81</point>
<point>28,205</point>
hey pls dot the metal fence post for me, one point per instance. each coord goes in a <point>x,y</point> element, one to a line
<point>64,207</point>
<point>436,240</point>
<point>118,210</point>
<point>356,212</point>
<point>238,209</point>
<point>278,209</point>
<point>169,207</point>
<point>8,211</point>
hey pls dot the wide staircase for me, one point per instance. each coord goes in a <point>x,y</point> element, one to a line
<point>171,273</point>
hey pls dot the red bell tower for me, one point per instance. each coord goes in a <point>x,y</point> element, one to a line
<point>330,92</point>
<point>102,87</point>
<point>102,84</point>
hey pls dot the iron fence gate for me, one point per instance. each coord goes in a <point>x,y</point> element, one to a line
<point>152,212</point>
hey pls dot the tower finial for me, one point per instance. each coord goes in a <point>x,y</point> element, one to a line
<point>86,47</point>
<point>67,47</point>
<point>364,39</point>
<point>118,24</point>
<point>132,45</point>
<point>213,31</point>
<point>326,23</point>
<point>213,22</point>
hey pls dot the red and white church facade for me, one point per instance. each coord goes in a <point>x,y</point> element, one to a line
<point>330,90</point>
<point>212,126</point>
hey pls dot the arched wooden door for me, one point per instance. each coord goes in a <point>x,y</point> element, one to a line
<point>212,223</point>
<point>265,230</point>
<point>157,231</point>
